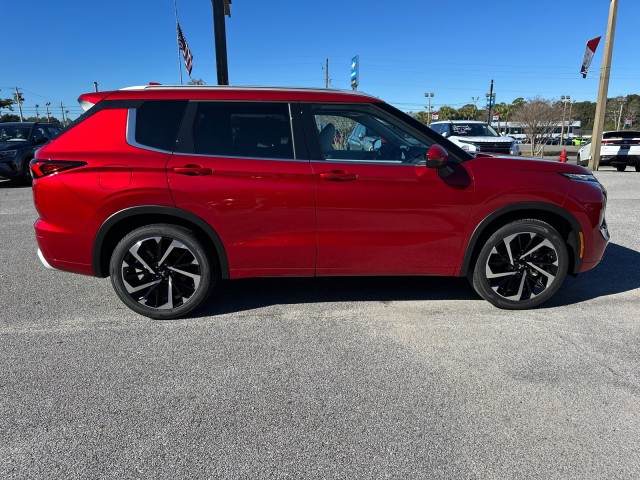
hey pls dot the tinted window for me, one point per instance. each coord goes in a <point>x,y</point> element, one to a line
<point>157,123</point>
<point>237,129</point>
<point>54,131</point>
<point>361,133</point>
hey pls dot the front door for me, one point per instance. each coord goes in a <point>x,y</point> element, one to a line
<point>383,212</point>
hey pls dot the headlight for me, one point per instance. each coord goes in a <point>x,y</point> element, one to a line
<point>8,153</point>
<point>468,146</point>
<point>580,177</point>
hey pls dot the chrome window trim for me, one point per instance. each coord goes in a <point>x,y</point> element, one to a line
<point>272,159</point>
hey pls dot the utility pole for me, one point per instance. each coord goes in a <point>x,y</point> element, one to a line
<point>62,110</point>
<point>37,117</point>
<point>490,98</point>
<point>19,102</point>
<point>326,73</point>
<point>220,8</point>
<point>47,107</point>
<point>601,105</point>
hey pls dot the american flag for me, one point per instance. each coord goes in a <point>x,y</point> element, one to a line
<point>182,45</point>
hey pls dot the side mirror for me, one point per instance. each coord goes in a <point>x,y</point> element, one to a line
<point>40,140</point>
<point>437,157</point>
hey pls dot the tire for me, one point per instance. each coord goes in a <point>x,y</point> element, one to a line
<point>25,176</point>
<point>621,168</point>
<point>180,283</point>
<point>637,168</point>
<point>507,279</point>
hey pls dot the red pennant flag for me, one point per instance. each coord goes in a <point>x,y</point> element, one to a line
<point>588,55</point>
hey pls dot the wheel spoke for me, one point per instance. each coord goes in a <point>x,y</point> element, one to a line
<point>160,272</point>
<point>521,266</point>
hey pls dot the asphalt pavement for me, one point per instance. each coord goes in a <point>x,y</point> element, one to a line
<point>332,378</point>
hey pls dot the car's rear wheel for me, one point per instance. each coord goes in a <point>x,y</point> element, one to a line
<point>637,168</point>
<point>621,168</point>
<point>162,271</point>
<point>521,265</point>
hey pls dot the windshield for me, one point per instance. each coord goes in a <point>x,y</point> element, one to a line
<point>473,130</point>
<point>9,133</point>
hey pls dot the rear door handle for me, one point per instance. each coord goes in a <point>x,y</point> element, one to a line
<point>338,176</point>
<point>193,170</point>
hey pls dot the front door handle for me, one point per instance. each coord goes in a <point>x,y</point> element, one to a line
<point>193,170</point>
<point>338,176</point>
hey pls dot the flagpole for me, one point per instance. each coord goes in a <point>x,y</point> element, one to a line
<point>175,6</point>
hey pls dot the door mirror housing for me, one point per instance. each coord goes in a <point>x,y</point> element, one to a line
<point>437,157</point>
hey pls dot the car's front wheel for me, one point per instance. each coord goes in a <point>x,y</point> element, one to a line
<point>521,265</point>
<point>621,168</point>
<point>162,271</point>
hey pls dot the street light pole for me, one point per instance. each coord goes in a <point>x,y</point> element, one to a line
<point>601,104</point>
<point>47,107</point>
<point>37,117</point>
<point>429,96</point>
<point>565,99</point>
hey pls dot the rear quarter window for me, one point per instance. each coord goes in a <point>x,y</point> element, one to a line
<point>157,123</point>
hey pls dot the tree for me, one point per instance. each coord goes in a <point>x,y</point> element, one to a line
<point>538,117</point>
<point>196,81</point>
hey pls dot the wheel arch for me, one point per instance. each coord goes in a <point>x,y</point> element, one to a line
<point>127,220</point>
<point>565,223</point>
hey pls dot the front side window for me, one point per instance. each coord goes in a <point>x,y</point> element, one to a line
<point>360,133</point>
<point>238,129</point>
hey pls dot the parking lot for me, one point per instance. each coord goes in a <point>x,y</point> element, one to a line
<point>328,378</point>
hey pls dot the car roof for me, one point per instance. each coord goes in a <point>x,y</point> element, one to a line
<point>26,124</point>
<point>621,133</point>
<point>208,92</point>
<point>461,121</point>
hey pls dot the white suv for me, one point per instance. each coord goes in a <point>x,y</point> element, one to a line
<point>476,137</point>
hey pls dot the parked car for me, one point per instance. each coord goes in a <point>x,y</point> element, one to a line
<point>168,190</point>
<point>18,143</point>
<point>619,149</point>
<point>475,136</point>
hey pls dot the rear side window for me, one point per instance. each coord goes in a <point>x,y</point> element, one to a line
<point>157,123</point>
<point>237,129</point>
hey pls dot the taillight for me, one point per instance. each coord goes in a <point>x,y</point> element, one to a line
<point>42,168</point>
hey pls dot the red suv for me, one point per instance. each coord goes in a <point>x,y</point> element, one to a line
<point>169,189</point>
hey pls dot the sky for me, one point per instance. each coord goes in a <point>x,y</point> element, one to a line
<point>54,51</point>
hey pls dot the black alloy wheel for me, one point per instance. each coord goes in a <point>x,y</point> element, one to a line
<point>521,265</point>
<point>162,271</point>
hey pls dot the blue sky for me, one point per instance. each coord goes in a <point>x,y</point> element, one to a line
<point>54,51</point>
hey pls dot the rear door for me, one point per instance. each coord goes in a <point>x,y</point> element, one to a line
<point>237,166</point>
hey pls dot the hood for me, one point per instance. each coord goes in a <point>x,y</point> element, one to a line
<point>533,164</point>
<point>484,139</point>
<point>13,145</point>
